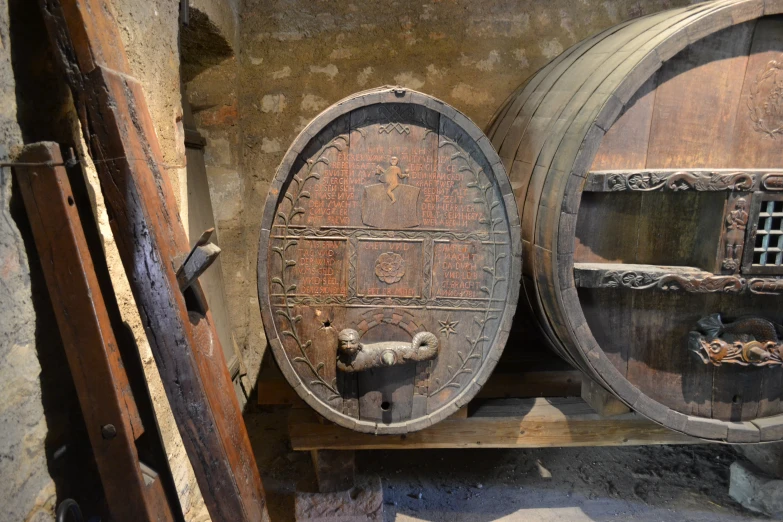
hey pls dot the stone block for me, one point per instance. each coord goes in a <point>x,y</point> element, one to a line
<point>755,491</point>
<point>363,503</point>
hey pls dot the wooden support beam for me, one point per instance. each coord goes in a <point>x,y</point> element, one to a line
<point>670,279</point>
<point>604,403</point>
<point>502,423</point>
<point>334,470</point>
<point>679,180</point>
<point>151,239</point>
<point>134,492</point>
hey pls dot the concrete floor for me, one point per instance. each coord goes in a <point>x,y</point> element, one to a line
<point>651,483</point>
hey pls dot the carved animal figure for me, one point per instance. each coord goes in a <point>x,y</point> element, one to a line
<point>391,177</point>
<point>353,356</point>
<point>759,329</point>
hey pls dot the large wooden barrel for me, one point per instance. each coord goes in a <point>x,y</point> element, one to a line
<point>389,261</point>
<point>646,164</point>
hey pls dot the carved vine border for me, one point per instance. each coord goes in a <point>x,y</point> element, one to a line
<point>487,199</point>
<point>295,195</point>
<point>679,181</point>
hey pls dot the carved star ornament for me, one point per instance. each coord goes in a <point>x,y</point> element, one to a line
<point>448,326</point>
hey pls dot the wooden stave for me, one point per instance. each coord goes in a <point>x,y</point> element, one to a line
<point>366,98</point>
<point>560,301</point>
<point>530,210</point>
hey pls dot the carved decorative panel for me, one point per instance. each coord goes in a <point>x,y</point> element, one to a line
<point>389,262</point>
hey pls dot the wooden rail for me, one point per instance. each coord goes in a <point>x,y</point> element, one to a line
<point>134,492</point>
<point>500,423</point>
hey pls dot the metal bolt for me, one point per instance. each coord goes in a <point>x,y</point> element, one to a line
<point>108,431</point>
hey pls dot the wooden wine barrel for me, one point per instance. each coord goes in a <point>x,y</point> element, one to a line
<point>389,261</point>
<point>646,162</point>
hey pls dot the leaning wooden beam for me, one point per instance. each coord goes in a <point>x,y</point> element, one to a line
<point>670,279</point>
<point>153,246</point>
<point>108,405</point>
<point>677,180</point>
<point>504,423</point>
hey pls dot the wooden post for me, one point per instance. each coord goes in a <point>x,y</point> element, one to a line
<point>153,245</point>
<point>334,470</point>
<point>604,403</point>
<point>107,402</point>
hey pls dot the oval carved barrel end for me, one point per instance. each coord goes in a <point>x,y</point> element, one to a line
<point>389,261</point>
<point>647,162</point>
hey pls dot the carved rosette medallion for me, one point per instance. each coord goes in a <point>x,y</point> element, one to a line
<point>390,267</point>
<point>391,222</point>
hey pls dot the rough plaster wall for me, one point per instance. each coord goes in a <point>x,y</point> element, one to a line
<point>222,13</point>
<point>150,30</point>
<point>27,491</point>
<point>300,56</point>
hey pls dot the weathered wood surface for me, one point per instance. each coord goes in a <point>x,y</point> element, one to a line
<point>504,423</point>
<point>646,147</point>
<point>108,405</point>
<point>389,261</point>
<point>275,391</point>
<point>152,244</point>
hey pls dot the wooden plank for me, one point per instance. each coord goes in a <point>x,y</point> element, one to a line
<point>696,103</point>
<point>526,423</point>
<point>757,135</point>
<point>152,242</point>
<point>625,143</point>
<point>201,218</point>
<point>104,391</point>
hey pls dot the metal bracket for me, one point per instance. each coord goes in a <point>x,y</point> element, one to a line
<point>201,256</point>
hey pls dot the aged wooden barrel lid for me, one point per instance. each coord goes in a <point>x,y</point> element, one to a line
<point>646,162</point>
<point>389,261</point>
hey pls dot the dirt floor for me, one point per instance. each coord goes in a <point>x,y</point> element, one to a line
<point>651,483</point>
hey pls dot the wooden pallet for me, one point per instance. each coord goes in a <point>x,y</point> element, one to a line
<point>531,401</point>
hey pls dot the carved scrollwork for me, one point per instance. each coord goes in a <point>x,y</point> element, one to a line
<point>674,282</point>
<point>681,180</point>
<point>750,341</point>
<point>764,286</point>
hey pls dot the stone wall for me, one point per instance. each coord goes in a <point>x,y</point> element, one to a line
<point>28,491</point>
<point>298,56</point>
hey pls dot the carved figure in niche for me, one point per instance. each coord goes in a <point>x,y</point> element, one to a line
<point>353,356</point>
<point>766,100</point>
<point>390,203</point>
<point>736,223</point>
<point>747,341</point>
<point>391,176</point>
